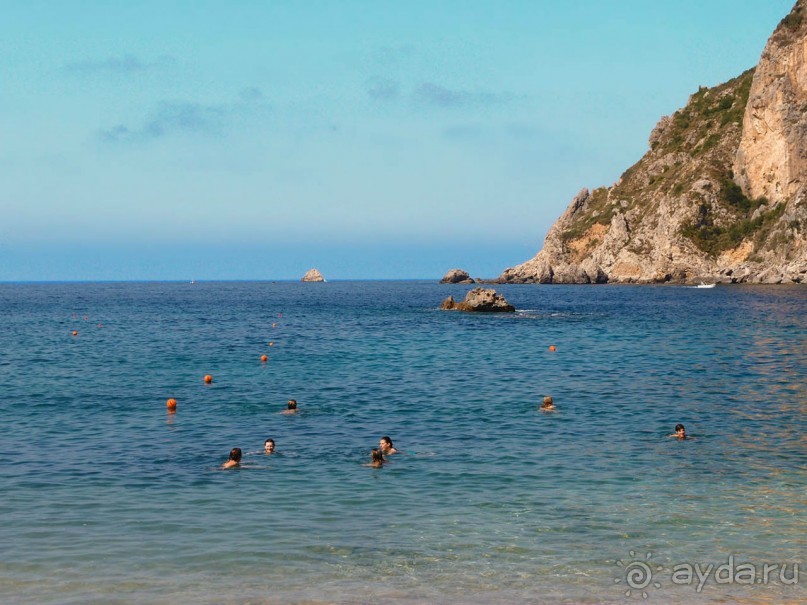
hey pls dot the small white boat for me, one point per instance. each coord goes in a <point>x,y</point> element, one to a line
<point>702,285</point>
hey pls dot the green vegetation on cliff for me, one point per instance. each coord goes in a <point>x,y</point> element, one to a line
<point>597,210</point>
<point>700,125</point>
<point>713,239</point>
<point>689,162</point>
<point>791,22</point>
<point>694,206</point>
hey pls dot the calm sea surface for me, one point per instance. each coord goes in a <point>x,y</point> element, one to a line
<point>106,498</point>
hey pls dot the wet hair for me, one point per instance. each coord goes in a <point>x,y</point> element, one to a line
<point>292,404</point>
<point>386,439</point>
<point>679,427</point>
<point>547,402</point>
<point>272,441</point>
<point>378,455</point>
<point>235,454</point>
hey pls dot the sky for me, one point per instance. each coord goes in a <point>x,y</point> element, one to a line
<point>254,140</point>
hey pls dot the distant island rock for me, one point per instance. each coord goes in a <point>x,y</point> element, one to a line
<point>313,275</point>
<point>483,300</point>
<point>720,195</point>
<point>457,276</point>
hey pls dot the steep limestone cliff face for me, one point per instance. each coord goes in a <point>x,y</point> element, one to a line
<point>719,196</point>
<point>771,161</point>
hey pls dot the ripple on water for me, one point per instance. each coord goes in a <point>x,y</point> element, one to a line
<point>110,499</point>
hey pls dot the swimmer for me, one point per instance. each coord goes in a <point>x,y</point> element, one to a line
<point>291,407</point>
<point>235,458</point>
<point>680,432</point>
<point>548,405</point>
<point>269,446</point>
<point>376,459</point>
<point>385,443</point>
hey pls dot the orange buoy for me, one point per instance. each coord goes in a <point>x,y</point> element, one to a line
<point>75,332</point>
<point>208,379</point>
<point>171,404</point>
<point>264,358</point>
<point>553,348</point>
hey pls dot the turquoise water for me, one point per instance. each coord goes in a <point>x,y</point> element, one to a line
<point>107,498</point>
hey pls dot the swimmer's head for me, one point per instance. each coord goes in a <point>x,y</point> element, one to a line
<point>385,442</point>
<point>235,454</point>
<point>292,404</point>
<point>548,403</point>
<point>377,455</point>
<point>680,431</point>
<point>269,446</point>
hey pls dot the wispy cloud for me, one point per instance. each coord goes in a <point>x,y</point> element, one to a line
<point>433,95</point>
<point>170,117</point>
<point>116,133</point>
<point>253,93</point>
<point>436,95</point>
<point>122,65</point>
<point>383,89</point>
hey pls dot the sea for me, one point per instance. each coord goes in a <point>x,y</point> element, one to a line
<point>106,497</point>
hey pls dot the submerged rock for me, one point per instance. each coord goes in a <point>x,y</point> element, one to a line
<point>313,275</point>
<point>479,300</point>
<point>457,276</point>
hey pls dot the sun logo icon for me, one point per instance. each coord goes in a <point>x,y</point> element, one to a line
<point>638,575</point>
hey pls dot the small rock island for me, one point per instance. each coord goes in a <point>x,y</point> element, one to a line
<point>313,275</point>
<point>457,276</point>
<point>481,300</point>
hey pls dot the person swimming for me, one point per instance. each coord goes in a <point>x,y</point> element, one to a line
<point>548,404</point>
<point>291,407</point>
<point>680,432</point>
<point>235,458</point>
<point>376,458</point>
<point>269,446</point>
<point>385,443</point>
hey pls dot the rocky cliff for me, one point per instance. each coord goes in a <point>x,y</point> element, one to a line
<point>721,194</point>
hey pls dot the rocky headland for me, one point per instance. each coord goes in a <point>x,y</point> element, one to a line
<point>720,195</point>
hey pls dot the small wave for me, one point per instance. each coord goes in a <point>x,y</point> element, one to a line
<point>539,314</point>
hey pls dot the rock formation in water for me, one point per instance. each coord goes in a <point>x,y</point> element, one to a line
<point>479,300</point>
<point>719,196</point>
<point>313,275</point>
<point>457,276</point>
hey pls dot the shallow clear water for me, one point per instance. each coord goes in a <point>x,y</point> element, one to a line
<point>106,498</point>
